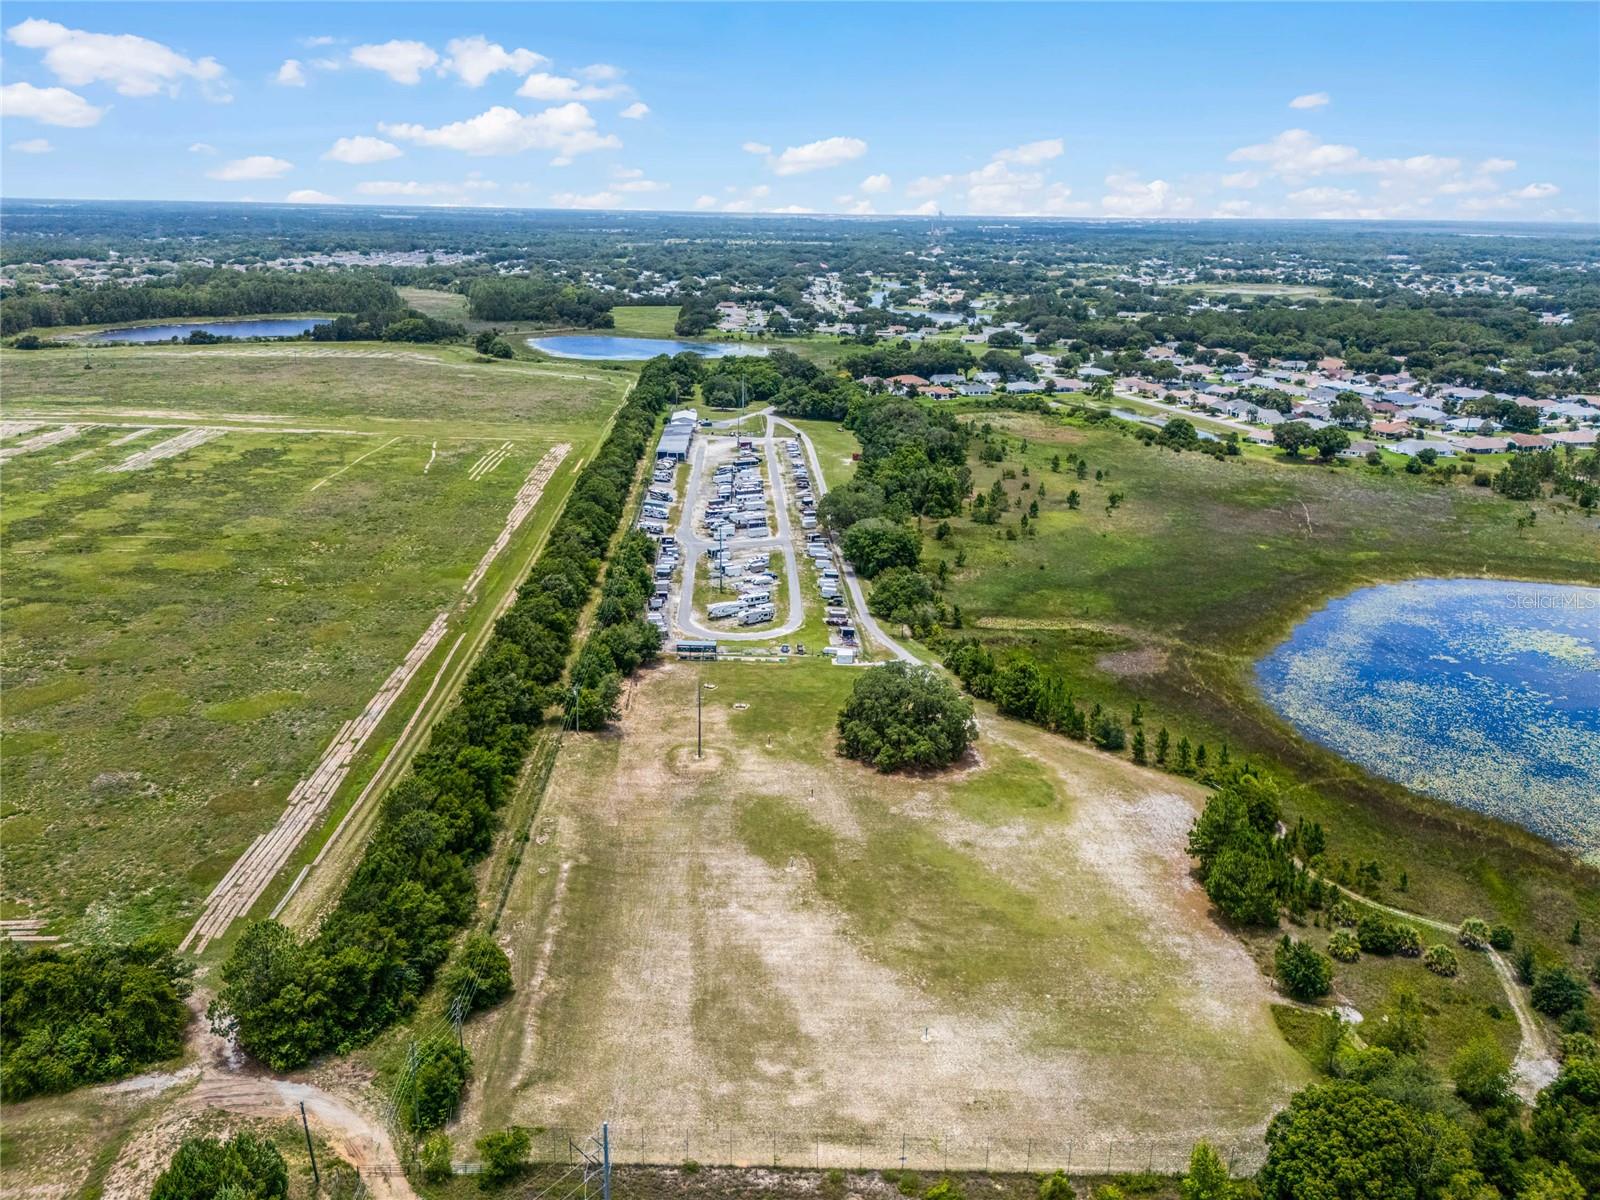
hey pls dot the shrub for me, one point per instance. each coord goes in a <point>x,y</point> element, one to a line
<point>1474,933</point>
<point>1304,973</point>
<point>1055,1186</point>
<point>480,974</point>
<point>946,1189</point>
<point>1377,935</point>
<point>1441,960</point>
<point>441,1073</point>
<point>1481,1073</point>
<point>1501,937</point>
<point>71,1016</point>
<point>1207,1177</point>
<point>1343,913</point>
<point>1343,946</point>
<point>436,1155</point>
<point>205,1167</point>
<point>1557,991</point>
<point>903,715</point>
<point>504,1156</point>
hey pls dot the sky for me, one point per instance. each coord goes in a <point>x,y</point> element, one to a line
<point>1476,111</point>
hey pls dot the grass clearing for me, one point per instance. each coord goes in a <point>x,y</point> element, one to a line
<point>645,320</point>
<point>430,302</point>
<point>771,937</point>
<point>1170,600</point>
<point>185,640</point>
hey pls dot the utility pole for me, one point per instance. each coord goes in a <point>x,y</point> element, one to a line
<point>698,693</point>
<point>605,1160</point>
<point>316,1176</point>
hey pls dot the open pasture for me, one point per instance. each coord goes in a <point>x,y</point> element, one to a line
<point>214,586</point>
<point>1171,598</point>
<point>775,940</point>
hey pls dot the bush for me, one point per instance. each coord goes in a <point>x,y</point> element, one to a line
<point>902,715</point>
<point>1056,1187</point>
<point>1481,1073</point>
<point>1557,991</point>
<point>1407,941</point>
<point>1377,935</point>
<point>1343,913</point>
<point>1441,960</point>
<point>1501,937</point>
<point>72,1016</point>
<point>1207,1177</point>
<point>205,1168</point>
<point>1474,933</point>
<point>436,1158</point>
<point>1303,973</point>
<point>1343,946</point>
<point>504,1156</point>
<point>442,1068</point>
<point>945,1189</point>
<point>480,974</point>
<point>877,543</point>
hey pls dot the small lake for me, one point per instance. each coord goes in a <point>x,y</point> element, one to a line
<point>1484,693</point>
<point>596,347</point>
<point>269,327</point>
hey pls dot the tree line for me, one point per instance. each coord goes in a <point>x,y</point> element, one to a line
<point>536,298</point>
<point>200,292</point>
<point>291,1000</point>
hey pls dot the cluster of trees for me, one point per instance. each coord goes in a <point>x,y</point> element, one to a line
<point>290,1001</point>
<point>913,463</point>
<point>397,324</point>
<point>1295,436</point>
<point>886,360</point>
<point>1247,865</point>
<point>623,641</point>
<point>1020,688</point>
<point>538,298</point>
<point>905,715</point>
<point>71,1016</point>
<point>201,292</point>
<point>1386,1124</point>
<point>244,1167</point>
<point>795,386</point>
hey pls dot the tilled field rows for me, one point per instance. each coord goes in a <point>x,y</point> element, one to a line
<point>237,892</point>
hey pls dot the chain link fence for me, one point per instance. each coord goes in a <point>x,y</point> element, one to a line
<point>673,1145</point>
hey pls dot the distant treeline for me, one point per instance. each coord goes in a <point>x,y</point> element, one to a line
<point>201,292</point>
<point>76,1016</point>
<point>548,301</point>
<point>291,1000</point>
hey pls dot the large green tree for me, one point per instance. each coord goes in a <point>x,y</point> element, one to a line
<point>902,715</point>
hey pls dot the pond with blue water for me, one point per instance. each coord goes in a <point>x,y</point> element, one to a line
<point>599,347</point>
<point>1483,693</point>
<point>265,327</point>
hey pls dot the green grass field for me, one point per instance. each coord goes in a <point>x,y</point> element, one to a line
<point>182,641</point>
<point>1170,600</point>
<point>447,306</point>
<point>773,938</point>
<point>645,320</point>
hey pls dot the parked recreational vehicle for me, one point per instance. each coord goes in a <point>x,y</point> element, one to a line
<point>724,610</point>
<point>759,615</point>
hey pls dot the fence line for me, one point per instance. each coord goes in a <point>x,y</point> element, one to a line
<point>667,1144</point>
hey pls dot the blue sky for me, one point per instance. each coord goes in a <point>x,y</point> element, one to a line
<point>1476,111</point>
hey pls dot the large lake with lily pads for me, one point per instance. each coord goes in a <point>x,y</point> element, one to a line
<point>1484,693</point>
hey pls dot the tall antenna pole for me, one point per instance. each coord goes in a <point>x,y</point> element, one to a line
<point>605,1160</point>
<point>698,693</point>
<point>316,1176</point>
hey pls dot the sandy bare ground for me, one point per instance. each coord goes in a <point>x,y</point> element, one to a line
<point>170,448</point>
<point>697,994</point>
<point>238,890</point>
<point>18,428</point>
<point>527,498</point>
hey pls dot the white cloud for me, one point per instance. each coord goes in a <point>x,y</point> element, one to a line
<point>51,105</point>
<point>568,129</point>
<point>632,179</point>
<point>876,185</point>
<point>403,62</point>
<point>819,155</point>
<point>1536,191</point>
<point>290,74</point>
<point>791,208</point>
<point>703,202</point>
<point>256,166</point>
<point>362,149</point>
<point>1132,197</point>
<point>319,40</point>
<point>756,148</point>
<point>1031,154</point>
<point>134,66</point>
<point>544,86</point>
<point>467,191</point>
<point>1242,179</point>
<point>1496,166</point>
<point>928,208</point>
<point>928,185</point>
<point>310,196</point>
<point>601,72</point>
<point>853,207</point>
<point>33,146</point>
<point>202,148</point>
<point>1325,196</point>
<point>474,59</point>
<point>636,111</point>
<point>1311,100</point>
<point>1298,152</point>
<point>592,200</point>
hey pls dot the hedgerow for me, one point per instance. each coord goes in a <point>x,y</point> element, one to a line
<point>290,1000</point>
